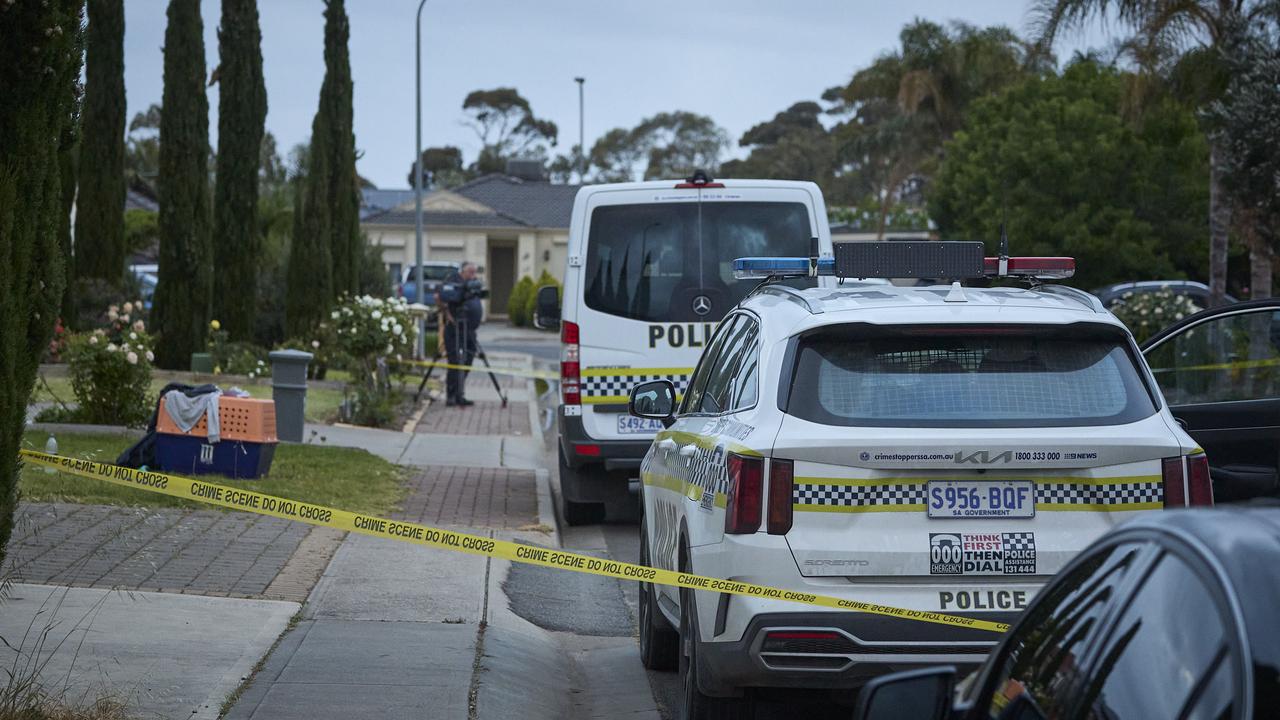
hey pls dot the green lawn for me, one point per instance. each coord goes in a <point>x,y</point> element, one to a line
<point>344,478</point>
<point>322,403</point>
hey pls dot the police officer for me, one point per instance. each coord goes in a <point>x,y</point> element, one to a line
<point>458,324</point>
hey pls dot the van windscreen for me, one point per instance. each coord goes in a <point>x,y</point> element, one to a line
<point>673,261</point>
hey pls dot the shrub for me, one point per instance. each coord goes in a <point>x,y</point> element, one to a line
<point>367,330</point>
<point>235,358</point>
<point>1148,313</point>
<point>517,304</point>
<point>531,304</point>
<point>110,371</point>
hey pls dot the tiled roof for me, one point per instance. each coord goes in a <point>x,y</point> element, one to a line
<point>449,218</point>
<point>536,204</point>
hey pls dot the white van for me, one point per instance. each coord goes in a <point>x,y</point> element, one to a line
<point>649,277</point>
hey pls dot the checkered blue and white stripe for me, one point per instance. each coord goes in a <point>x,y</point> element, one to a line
<point>871,495</point>
<point>1059,493</point>
<point>620,385</point>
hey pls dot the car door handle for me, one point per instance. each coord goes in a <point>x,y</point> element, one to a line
<point>667,444</point>
<point>688,450</point>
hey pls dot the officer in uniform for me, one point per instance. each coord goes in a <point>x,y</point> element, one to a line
<point>459,321</point>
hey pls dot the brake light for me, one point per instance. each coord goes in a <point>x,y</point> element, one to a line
<point>781,474</point>
<point>1051,268</point>
<point>570,365</point>
<point>1186,482</point>
<point>746,480</point>
<point>693,186</point>
<point>1199,486</point>
<point>589,450</point>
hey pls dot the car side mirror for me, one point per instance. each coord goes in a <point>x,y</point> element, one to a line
<point>911,695</point>
<point>655,400</point>
<point>546,313</point>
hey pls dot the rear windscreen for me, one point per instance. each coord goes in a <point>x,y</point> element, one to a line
<point>673,261</point>
<point>966,376</point>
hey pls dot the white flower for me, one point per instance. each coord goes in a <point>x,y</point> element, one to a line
<point>398,329</point>
<point>250,373</point>
<point>132,358</point>
<point>112,315</point>
<point>315,344</point>
<point>376,314</point>
<point>150,356</point>
<point>93,339</point>
<point>124,346</point>
<point>138,304</point>
<point>139,326</point>
<point>260,363</point>
<point>334,314</point>
<point>389,350</point>
<point>113,308</point>
<point>128,307</point>
<point>111,347</point>
<point>133,336</point>
<point>386,327</point>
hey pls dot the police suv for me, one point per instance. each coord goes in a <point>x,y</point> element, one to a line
<point>649,276</point>
<point>942,448</point>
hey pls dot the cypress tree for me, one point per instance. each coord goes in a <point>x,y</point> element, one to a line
<point>100,207</point>
<point>344,198</point>
<point>310,274</point>
<point>39,72</point>
<point>242,110</point>
<point>324,260</point>
<point>184,287</point>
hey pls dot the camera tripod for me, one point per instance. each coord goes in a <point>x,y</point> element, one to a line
<point>460,333</point>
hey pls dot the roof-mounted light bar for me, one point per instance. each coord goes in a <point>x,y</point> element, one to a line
<point>950,260</point>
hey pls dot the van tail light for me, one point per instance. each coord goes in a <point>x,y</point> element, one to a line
<point>746,486</point>
<point>570,365</point>
<point>1186,482</point>
<point>781,475</point>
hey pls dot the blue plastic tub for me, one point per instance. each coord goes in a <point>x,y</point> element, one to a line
<point>192,455</point>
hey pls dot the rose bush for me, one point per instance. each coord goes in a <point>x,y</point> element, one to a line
<point>1147,313</point>
<point>110,369</point>
<point>368,331</point>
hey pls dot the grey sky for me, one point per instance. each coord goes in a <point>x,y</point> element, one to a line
<point>739,62</point>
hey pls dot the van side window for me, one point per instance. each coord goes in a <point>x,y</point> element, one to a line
<point>693,396</point>
<point>716,397</point>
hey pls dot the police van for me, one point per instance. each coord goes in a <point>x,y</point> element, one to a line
<point>937,448</point>
<point>649,277</point>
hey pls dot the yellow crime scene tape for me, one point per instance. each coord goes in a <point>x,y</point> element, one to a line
<point>518,372</point>
<point>262,504</point>
<point>1233,365</point>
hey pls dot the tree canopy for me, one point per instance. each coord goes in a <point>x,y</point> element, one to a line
<point>669,144</point>
<point>507,128</point>
<point>100,205</point>
<point>1056,157</point>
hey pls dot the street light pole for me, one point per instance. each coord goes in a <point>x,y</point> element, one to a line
<point>419,345</point>
<point>582,150</point>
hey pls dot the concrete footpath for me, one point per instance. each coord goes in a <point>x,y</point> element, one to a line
<point>181,657</point>
<point>394,629</point>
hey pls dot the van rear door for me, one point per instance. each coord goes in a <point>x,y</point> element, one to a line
<point>656,278</point>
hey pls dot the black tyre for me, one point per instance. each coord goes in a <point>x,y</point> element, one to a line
<point>699,706</point>
<point>576,513</point>
<point>659,644</point>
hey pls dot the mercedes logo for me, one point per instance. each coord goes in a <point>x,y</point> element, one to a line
<point>702,305</point>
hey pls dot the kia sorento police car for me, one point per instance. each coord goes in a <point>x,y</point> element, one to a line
<point>648,276</point>
<point>940,448</point>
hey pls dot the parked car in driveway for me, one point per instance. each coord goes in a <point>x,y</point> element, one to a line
<point>433,273</point>
<point>1171,616</point>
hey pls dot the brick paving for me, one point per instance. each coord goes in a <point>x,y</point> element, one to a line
<point>473,497</point>
<point>202,552</point>
<point>483,418</point>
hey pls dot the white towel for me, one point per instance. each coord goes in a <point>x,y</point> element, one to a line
<point>187,411</point>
